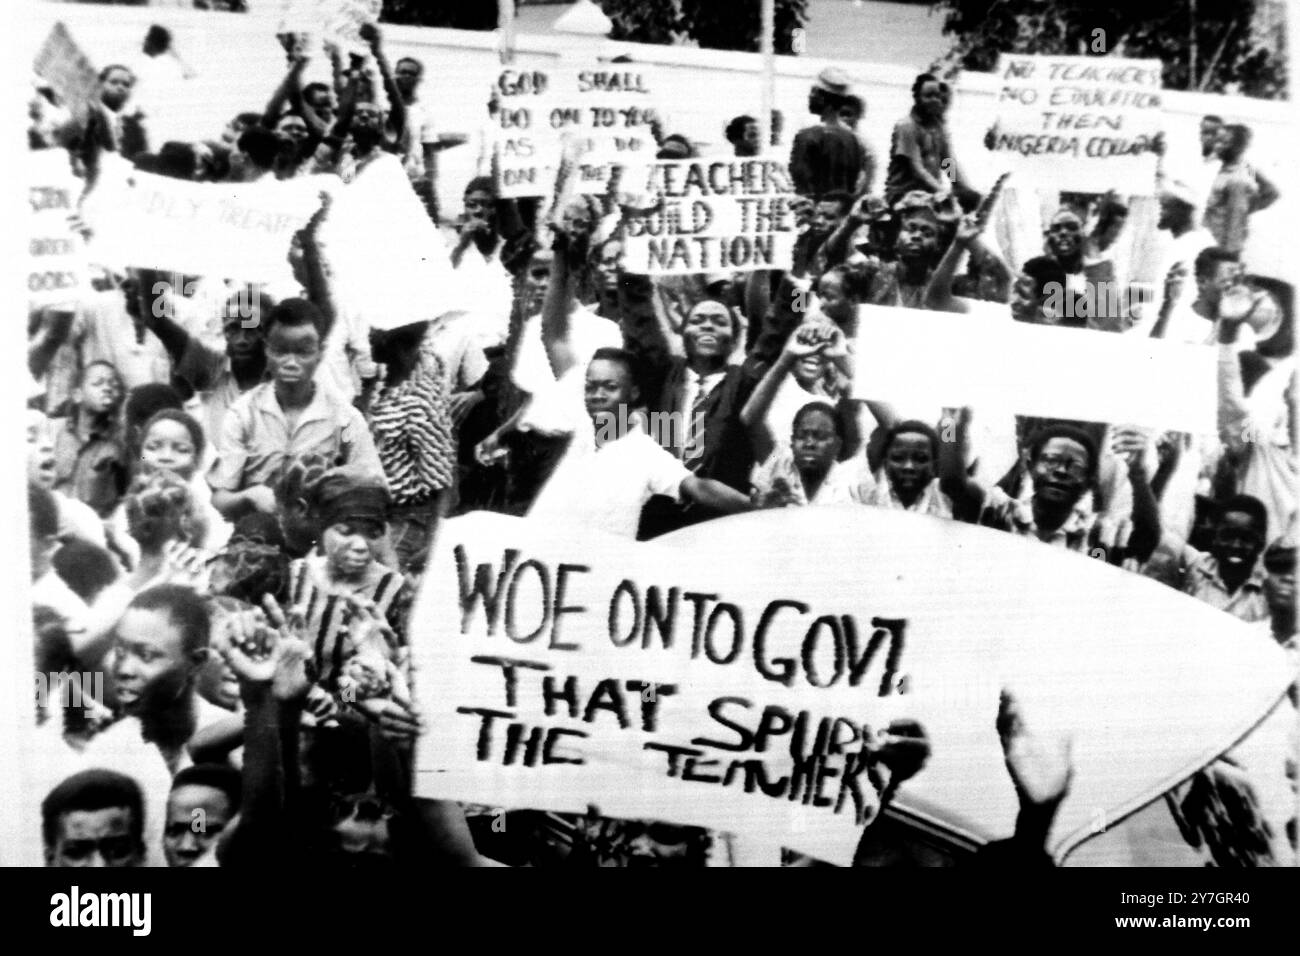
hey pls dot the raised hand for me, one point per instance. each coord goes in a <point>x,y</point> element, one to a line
<point>398,721</point>
<point>869,209</point>
<point>490,451</point>
<point>368,631</point>
<point>1131,444</point>
<point>809,339</point>
<point>969,228</point>
<point>780,495</point>
<point>246,642</point>
<point>1039,765</point>
<point>369,32</point>
<point>903,747</point>
<point>185,565</point>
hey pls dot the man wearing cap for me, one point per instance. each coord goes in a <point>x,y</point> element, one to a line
<point>1175,294</point>
<point>827,157</point>
<point>923,234</point>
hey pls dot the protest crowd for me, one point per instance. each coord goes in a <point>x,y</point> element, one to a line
<point>236,479</point>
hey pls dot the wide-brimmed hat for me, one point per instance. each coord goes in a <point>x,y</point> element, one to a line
<point>833,80</point>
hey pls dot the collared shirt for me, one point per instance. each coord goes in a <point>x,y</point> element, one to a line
<point>1017,516</point>
<point>695,388</point>
<point>1193,572</point>
<point>256,442</point>
<point>931,500</point>
<point>89,464</point>
<point>847,482</point>
<point>1203,582</point>
<point>606,487</point>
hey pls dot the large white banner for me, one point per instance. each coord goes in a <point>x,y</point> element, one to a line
<point>720,213</point>
<point>712,678</point>
<point>608,108</point>
<point>388,261</point>
<point>237,231</point>
<point>914,356</point>
<point>1079,122</point>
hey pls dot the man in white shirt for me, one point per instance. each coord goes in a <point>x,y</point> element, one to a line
<point>420,137</point>
<point>1179,214</point>
<point>611,470</point>
<point>159,645</point>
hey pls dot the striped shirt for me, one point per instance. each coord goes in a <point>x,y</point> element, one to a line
<point>327,613</point>
<point>413,435</point>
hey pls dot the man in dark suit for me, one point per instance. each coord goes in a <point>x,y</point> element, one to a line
<point>700,393</point>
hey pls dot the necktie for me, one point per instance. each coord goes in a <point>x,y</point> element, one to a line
<point>693,446</point>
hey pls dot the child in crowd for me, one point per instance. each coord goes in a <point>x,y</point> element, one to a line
<point>89,450</point>
<point>173,441</point>
<point>907,479</point>
<point>807,471</point>
<point>289,415</point>
<point>354,518</point>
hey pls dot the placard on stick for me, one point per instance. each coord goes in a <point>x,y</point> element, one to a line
<point>56,269</point>
<point>607,108</point>
<point>63,64</point>
<point>1081,122</point>
<point>721,213</point>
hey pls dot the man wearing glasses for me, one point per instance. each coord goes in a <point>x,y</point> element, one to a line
<point>1062,465</point>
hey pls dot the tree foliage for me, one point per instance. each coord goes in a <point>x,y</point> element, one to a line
<point>714,24</point>
<point>1208,45</point>
<point>456,14</point>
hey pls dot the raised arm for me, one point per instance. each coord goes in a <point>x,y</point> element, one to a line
<point>938,291</point>
<point>559,302</point>
<point>836,247</point>
<point>289,91</point>
<point>396,107</point>
<point>807,340</point>
<point>1131,445</point>
<point>52,332</point>
<point>270,664</point>
<point>1236,427</point>
<point>319,287</point>
<point>964,491</point>
<point>154,296</point>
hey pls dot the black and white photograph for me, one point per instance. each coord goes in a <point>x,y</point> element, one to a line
<point>654,433</point>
